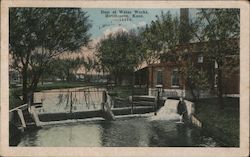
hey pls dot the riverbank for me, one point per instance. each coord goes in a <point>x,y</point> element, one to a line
<point>62,85</point>
<point>223,124</point>
<point>126,91</point>
<point>117,91</point>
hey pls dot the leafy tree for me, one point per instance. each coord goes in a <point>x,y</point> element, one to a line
<point>219,28</point>
<point>89,65</point>
<point>64,68</point>
<point>57,70</point>
<point>162,39</point>
<point>120,54</point>
<point>37,35</point>
<point>161,36</point>
<point>72,65</point>
<point>195,78</point>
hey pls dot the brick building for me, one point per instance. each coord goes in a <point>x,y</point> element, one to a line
<point>167,72</point>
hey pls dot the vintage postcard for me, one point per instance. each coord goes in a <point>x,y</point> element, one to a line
<point>124,78</point>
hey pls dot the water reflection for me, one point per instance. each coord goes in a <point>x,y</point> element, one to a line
<point>125,133</point>
<point>81,99</point>
<point>64,135</point>
<point>129,132</point>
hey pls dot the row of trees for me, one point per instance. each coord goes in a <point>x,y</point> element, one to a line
<point>123,52</point>
<point>65,69</point>
<point>39,35</point>
<point>120,54</point>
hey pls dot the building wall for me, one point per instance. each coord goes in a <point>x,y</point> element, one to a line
<point>175,93</point>
<point>166,76</point>
<point>230,82</point>
<point>141,77</point>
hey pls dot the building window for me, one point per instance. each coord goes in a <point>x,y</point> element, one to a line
<point>159,77</point>
<point>215,65</point>
<point>175,78</point>
<point>200,59</point>
<point>215,80</point>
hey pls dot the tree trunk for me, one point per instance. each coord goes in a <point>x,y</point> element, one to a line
<point>191,88</point>
<point>35,83</point>
<point>68,79</point>
<point>198,94</point>
<point>133,84</point>
<point>42,79</point>
<point>25,82</point>
<point>116,79</point>
<point>220,88</point>
<point>193,95</point>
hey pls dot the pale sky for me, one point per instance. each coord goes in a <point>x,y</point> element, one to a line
<point>102,25</point>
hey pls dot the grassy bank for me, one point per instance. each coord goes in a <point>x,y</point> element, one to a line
<point>62,85</point>
<point>118,91</point>
<point>125,91</point>
<point>223,124</point>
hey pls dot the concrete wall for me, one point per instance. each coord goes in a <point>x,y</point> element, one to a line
<point>190,107</point>
<point>178,93</point>
<point>167,92</point>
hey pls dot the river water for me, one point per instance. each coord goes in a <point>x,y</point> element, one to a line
<point>162,130</point>
<point>61,100</point>
<point>125,132</point>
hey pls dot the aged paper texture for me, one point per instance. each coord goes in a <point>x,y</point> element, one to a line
<point>129,135</point>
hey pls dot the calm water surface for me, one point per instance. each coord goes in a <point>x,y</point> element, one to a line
<point>128,132</point>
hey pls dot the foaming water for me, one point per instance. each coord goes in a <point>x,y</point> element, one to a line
<point>167,112</point>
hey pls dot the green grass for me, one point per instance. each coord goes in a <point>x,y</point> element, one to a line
<point>222,123</point>
<point>126,91</point>
<point>61,85</point>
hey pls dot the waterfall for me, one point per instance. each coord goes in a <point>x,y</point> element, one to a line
<point>169,110</point>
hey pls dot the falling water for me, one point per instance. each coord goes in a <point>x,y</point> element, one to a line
<point>169,110</point>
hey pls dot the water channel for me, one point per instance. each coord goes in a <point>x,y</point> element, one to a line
<point>145,130</point>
